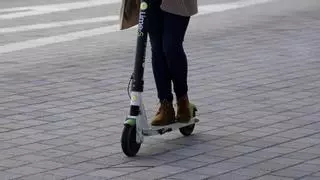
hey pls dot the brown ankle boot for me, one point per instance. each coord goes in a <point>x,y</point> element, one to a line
<point>183,110</point>
<point>165,115</point>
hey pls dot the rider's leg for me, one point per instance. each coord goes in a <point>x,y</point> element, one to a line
<point>165,114</point>
<point>175,27</point>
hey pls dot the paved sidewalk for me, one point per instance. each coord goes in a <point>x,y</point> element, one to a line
<point>254,75</point>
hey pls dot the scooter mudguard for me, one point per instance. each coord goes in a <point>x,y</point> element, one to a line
<point>130,121</point>
<point>192,107</point>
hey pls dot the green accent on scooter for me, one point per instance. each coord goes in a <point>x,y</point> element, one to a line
<point>192,107</point>
<point>130,121</point>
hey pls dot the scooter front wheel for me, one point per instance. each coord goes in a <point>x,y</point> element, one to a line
<point>129,145</point>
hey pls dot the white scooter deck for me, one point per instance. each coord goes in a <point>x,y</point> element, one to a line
<point>155,130</point>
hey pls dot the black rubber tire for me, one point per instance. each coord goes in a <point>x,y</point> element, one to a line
<point>128,141</point>
<point>187,130</point>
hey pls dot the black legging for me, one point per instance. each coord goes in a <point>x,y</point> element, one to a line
<point>169,61</point>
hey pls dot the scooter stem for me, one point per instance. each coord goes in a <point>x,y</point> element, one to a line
<point>142,36</point>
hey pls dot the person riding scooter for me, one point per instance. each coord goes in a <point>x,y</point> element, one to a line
<point>168,21</point>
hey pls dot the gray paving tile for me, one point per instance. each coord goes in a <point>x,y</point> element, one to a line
<point>69,159</point>
<point>314,161</point>
<point>52,153</point>
<point>9,175</point>
<point>107,173</point>
<point>296,133</point>
<point>227,165</point>
<point>11,136</point>
<point>145,175</point>
<point>11,163</point>
<point>166,157</point>
<point>207,158</point>
<point>307,167</point>
<point>301,156</point>
<point>225,153</point>
<point>36,147</point>
<point>298,144</point>
<point>210,171</point>
<point>189,151</point>
<point>291,173</point>
<point>188,164</point>
<point>26,170</point>
<point>268,166</point>
<point>168,169</point>
<point>73,148</point>
<point>90,154</point>
<point>87,177</point>
<point>14,152</point>
<point>250,172</point>
<point>31,158</point>
<point>66,172</point>
<point>223,143</point>
<point>310,178</point>
<point>279,149</point>
<point>23,141</point>
<point>47,164</point>
<point>127,169</point>
<point>109,161</point>
<point>191,175</point>
<point>260,143</point>
<point>41,176</point>
<point>241,148</point>
<point>312,150</point>
<point>238,138</point>
<point>271,177</point>
<point>230,176</point>
<point>57,142</point>
<point>245,160</point>
<point>286,161</point>
<point>6,145</point>
<point>147,162</point>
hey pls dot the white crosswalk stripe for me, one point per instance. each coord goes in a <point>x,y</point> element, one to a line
<point>47,9</point>
<point>54,8</point>
<point>57,24</point>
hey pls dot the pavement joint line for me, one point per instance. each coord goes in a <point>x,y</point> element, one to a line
<point>307,175</point>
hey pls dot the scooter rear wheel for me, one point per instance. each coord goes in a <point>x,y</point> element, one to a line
<point>187,130</point>
<point>129,145</point>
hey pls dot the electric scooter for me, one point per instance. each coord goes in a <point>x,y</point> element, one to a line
<point>136,124</point>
